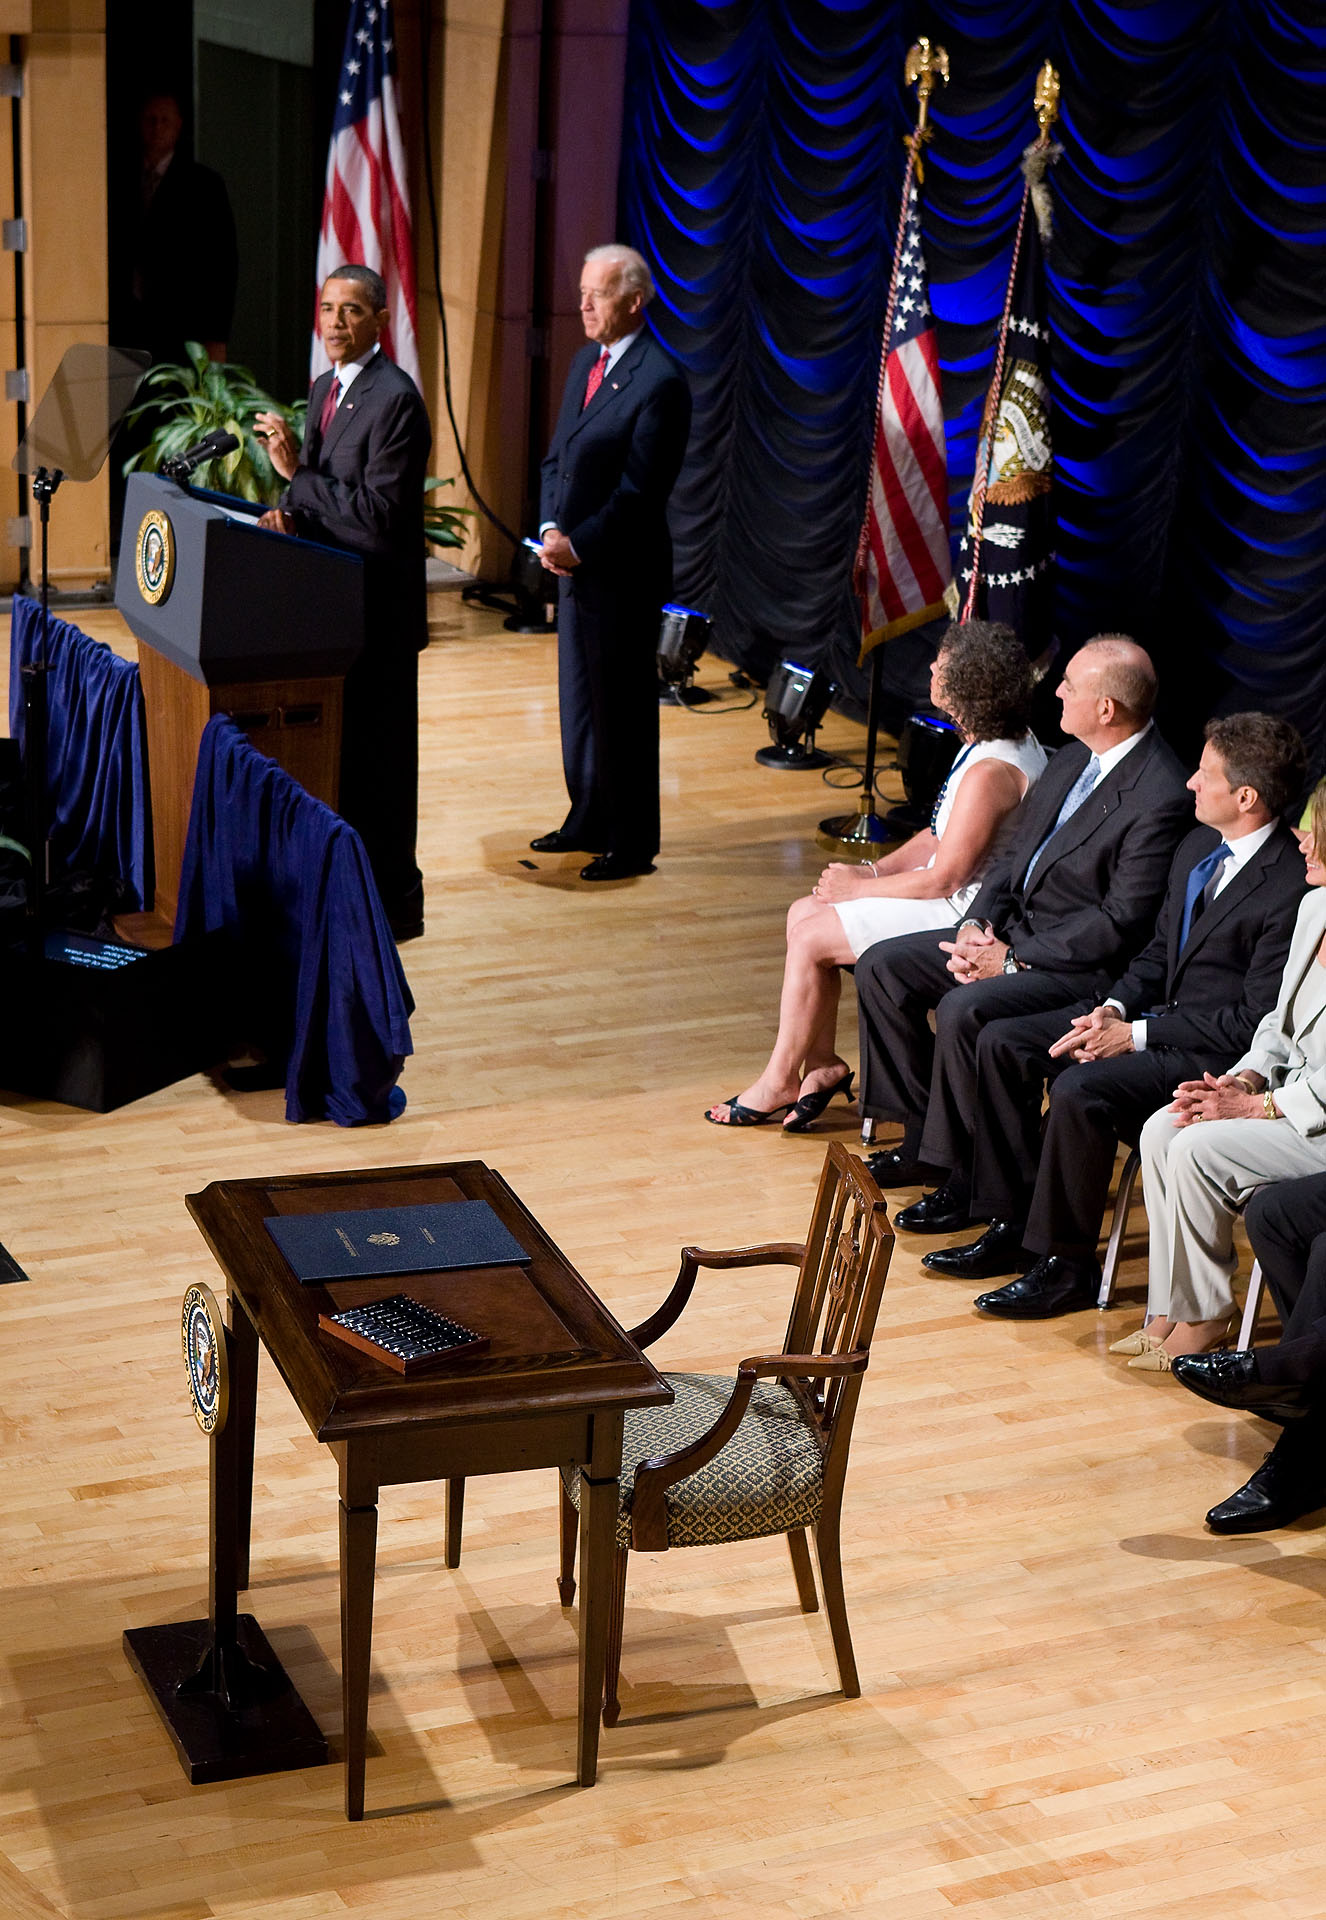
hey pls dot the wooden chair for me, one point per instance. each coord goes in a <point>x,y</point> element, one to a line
<point>766,1453</point>
<point>1109,1269</point>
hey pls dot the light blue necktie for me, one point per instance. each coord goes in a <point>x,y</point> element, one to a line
<point>1196,887</point>
<point>1073,799</point>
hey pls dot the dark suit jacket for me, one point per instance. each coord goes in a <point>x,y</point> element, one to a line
<point>1092,901</point>
<point>1211,996</point>
<point>612,465</point>
<point>185,261</point>
<point>362,488</point>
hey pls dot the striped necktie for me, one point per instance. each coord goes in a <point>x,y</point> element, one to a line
<point>330,404</point>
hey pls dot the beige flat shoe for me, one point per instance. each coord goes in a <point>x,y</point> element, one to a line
<point>1153,1360</point>
<point>1140,1341</point>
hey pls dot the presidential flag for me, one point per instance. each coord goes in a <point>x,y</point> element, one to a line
<point>903,561</point>
<point>366,208</point>
<point>1006,565</point>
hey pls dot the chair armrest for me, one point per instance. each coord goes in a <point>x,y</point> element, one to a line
<point>649,1519</point>
<point>779,1253</point>
<point>810,1366</point>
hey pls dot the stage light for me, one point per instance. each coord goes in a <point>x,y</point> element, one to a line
<point>927,748</point>
<point>683,635</point>
<point>795,702</point>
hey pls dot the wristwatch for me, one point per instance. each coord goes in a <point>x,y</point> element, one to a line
<point>1012,964</point>
<point>1268,1106</point>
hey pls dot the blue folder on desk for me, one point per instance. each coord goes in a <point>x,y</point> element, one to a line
<point>369,1241</point>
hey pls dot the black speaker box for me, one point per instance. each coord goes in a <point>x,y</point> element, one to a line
<point>95,1024</point>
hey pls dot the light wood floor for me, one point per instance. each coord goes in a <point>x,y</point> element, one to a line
<point>1075,1700</point>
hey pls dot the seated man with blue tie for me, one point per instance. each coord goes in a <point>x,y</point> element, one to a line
<point>1187,1005</point>
<point>1057,918</point>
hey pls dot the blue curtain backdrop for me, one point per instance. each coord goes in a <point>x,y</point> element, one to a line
<point>1187,283</point>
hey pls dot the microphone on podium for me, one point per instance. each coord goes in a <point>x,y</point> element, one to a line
<point>211,447</point>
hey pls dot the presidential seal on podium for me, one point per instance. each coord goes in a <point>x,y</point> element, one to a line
<point>154,556</point>
<point>203,1337</point>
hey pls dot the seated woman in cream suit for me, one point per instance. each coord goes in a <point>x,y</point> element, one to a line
<point>1266,1120</point>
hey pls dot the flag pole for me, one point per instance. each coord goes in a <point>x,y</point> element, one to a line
<point>1046,101</point>
<point>858,835</point>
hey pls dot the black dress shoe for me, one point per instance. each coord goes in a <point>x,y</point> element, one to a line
<point>615,866</point>
<point>555,842</point>
<point>1053,1286</point>
<point>999,1250</point>
<point>1276,1494</point>
<point>891,1167</point>
<point>1232,1380</point>
<point>943,1211</point>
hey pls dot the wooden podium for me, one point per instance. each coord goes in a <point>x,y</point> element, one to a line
<point>233,619</point>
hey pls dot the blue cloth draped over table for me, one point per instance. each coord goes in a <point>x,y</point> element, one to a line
<point>761,165</point>
<point>96,755</point>
<point>290,881</point>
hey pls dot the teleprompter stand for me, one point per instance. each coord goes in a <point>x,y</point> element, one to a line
<point>68,439</point>
<point>226,1700</point>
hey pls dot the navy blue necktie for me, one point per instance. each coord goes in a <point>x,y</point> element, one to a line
<point>1197,880</point>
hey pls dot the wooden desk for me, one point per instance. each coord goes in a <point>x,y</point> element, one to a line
<point>551,1390</point>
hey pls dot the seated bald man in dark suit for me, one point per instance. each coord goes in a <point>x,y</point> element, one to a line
<point>1188,1005</point>
<point>1073,900</point>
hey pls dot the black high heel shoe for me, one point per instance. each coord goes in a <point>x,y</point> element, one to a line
<point>811,1105</point>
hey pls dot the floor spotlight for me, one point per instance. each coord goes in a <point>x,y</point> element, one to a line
<point>927,748</point>
<point>683,636</point>
<point>795,701</point>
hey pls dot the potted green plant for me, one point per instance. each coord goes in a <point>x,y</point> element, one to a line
<point>179,404</point>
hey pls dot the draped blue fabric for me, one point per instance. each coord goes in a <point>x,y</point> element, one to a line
<point>761,167</point>
<point>96,754</point>
<point>290,882</point>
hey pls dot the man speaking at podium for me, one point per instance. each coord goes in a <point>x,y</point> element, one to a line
<point>358,483</point>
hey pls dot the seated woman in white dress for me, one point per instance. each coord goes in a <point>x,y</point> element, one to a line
<point>1269,1115</point>
<point>983,680</point>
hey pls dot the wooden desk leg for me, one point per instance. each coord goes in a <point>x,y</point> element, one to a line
<point>598,1533</point>
<point>243,1414</point>
<point>359,1533</point>
<point>453,1513</point>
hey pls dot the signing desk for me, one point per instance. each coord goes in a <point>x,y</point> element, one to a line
<point>551,1389</point>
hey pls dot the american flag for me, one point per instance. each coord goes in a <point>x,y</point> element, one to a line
<point>366,209</point>
<point>904,563</point>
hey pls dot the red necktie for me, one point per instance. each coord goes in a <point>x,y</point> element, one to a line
<point>328,413</point>
<point>596,373</point>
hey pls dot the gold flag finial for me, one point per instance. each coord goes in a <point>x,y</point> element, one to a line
<point>1047,98</point>
<point>925,65</point>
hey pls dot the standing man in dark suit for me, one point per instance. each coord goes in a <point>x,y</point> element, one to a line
<point>1187,1005</point>
<point>358,483</point>
<point>1074,898</point>
<point>183,265</point>
<point>614,459</point>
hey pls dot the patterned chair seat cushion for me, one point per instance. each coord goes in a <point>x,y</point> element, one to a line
<point>767,1479</point>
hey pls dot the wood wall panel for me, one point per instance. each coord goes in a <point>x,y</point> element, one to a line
<point>66,292</point>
